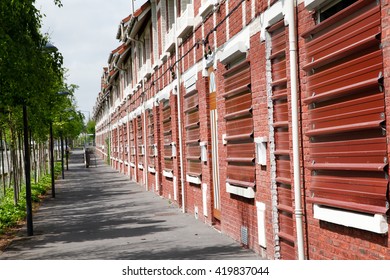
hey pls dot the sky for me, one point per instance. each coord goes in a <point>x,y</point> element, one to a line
<point>84,31</point>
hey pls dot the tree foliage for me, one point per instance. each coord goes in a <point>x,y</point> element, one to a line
<point>31,75</point>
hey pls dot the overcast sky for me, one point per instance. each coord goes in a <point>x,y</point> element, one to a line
<point>84,31</point>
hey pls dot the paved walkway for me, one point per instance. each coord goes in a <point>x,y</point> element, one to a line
<point>100,214</point>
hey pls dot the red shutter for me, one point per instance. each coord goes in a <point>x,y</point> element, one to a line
<point>239,126</point>
<point>167,135</point>
<point>347,150</point>
<point>151,141</point>
<point>115,143</point>
<point>132,143</point>
<point>125,142</point>
<point>192,127</point>
<point>282,128</point>
<point>140,141</point>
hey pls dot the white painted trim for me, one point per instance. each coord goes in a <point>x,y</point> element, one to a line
<point>206,7</point>
<point>240,191</point>
<point>203,151</point>
<point>167,174</point>
<point>375,223</point>
<point>139,110</point>
<point>149,104</point>
<point>194,180</point>
<point>164,93</point>
<point>204,199</point>
<point>174,188</point>
<point>132,164</point>
<point>271,16</point>
<point>261,225</point>
<point>140,166</point>
<point>151,169</point>
<point>190,77</point>
<point>261,150</point>
<point>236,47</point>
<point>157,186</point>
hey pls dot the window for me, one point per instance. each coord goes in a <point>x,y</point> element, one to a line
<point>171,14</point>
<point>167,136</point>
<point>151,140</point>
<point>129,72</point>
<point>141,148</point>
<point>239,126</point>
<point>346,116</point>
<point>192,127</point>
<point>332,8</point>
<point>140,55</point>
<point>133,152</point>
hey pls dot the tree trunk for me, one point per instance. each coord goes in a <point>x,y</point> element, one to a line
<point>7,155</point>
<point>14,159</point>
<point>4,148</point>
<point>20,165</point>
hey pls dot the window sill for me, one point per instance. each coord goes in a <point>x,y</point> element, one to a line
<point>240,191</point>
<point>193,179</point>
<point>375,223</point>
<point>167,174</point>
<point>151,169</point>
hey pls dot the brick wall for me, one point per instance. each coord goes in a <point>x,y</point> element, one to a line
<point>323,240</point>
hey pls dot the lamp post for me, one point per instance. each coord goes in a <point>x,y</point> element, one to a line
<point>62,151</point>
<point>53,191</point>
<point>27,163</point>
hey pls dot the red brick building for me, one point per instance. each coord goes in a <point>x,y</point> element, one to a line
<point>264,119</point>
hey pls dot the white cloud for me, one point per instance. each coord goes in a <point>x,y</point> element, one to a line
<point>84,31</point>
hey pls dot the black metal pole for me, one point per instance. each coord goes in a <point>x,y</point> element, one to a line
<point>62,156</point>
<point>53,189</point>
<point>67,153</point>
<point>30,231</point>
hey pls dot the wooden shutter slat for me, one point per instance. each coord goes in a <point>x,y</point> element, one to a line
<point>240,183</point>
<point>192,142</point>
<point>238,114</point>
<point>348,166</point>
<point>345,128</point>
<point>238,90</point>
<point>240,159</point>
<point>193,157</point>
<point>191,109</point>
<point>238,137</point>
<point>372,209</point>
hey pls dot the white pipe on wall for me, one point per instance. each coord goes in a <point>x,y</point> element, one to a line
<point>146,172</point>
<point>178,77</point>
<point>290,15</point>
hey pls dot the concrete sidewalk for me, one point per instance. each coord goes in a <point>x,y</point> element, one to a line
<point>100,214</point>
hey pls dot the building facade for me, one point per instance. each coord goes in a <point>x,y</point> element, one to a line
<point>265,119</point>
